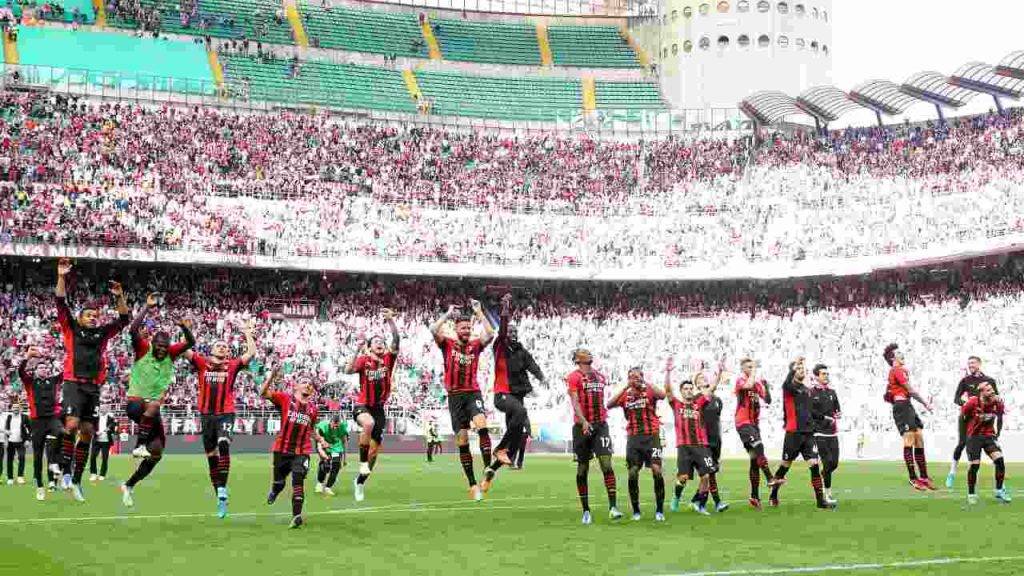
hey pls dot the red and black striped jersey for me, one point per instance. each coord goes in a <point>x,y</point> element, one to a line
<point>297,422</point>
<point>375,378</point>
<point>85,348</point>
<point>689,415</point>
<point>460,364</point>
<point>981,416</point>
<point>217,384</point>
<point>898,389</point>
<point>641,408</point>
<point>748,402</point>
<point>590,389</point>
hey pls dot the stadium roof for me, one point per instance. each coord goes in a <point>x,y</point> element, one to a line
<point>825,103</point>
<point>828,103</point>
<point>1012,65</point>
<point>882,96</point>
<point>981,77</point>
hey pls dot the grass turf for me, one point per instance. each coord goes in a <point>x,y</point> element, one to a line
<point>417,519</point>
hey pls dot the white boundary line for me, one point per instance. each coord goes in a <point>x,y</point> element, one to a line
<point>853,567</point>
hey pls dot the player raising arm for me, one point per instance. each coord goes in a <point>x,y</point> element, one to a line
<point>375,363</point>
<point>750,391</point>
<point>85,370</point>
<point>639,401</point>
<point>41,382</point>
<point>898,393</point>
<point>590,435</point>
<point>691,436</point>
<point>295,440</point>
<point>465,404</point>
<point>984,423</point>
<point>216,375</point>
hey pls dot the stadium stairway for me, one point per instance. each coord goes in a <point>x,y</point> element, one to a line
<point>412,85</point>
<point>589,95</point>
<point>295,20</point>
<point>433,48</point>
<point>216,69</point>
<point>10,49</point>
<point>101,13</point>
<point>545,45</point>
<point>641,55</point>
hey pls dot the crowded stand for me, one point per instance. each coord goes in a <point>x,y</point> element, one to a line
<point>312,323</point>
<point>206,180</point>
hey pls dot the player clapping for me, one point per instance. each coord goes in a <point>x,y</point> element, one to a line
<point>984,418</point>
<point>639,400</point>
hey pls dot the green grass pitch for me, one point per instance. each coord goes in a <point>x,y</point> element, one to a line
<point>418,519</point>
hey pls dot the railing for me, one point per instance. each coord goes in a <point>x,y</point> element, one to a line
<point>611,123</point>
<point>602,8</point>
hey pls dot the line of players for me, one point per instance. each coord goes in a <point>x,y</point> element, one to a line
<point>810,415</point>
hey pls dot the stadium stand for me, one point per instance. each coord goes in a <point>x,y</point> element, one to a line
<point>505,98</point>
<point>590,47</point>
<point>490,42</point>
<point>255,20</point>
<point>371,31</point>
<point>631,97</point>
<point>114,60</point>
<point>69,11</point>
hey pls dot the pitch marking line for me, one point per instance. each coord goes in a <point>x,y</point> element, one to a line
<point>854,567</point>
<point>410,508</point>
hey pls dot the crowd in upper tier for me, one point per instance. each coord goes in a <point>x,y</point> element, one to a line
<point>313,323</point>
<point>203,179</point>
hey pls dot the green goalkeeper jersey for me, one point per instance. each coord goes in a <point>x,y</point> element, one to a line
<point>334,435</point>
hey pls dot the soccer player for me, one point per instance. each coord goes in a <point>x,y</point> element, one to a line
<point>799,440</point>
<point>712,414</point>
<point>465,404</point>
<point>826,411</point>
<point>375,364</point>
<point>433,440</point>
<point>216,375</point>
<point>41,383</point>
<point>639,401</point>
<point>967,389</point>
<point>294,441</point>
<point>692,452</point>
<point>750,391</point>
<point>512,366</point>
<point>984,423</point>
<point>85,370</point>
<point>105,434</point>
<point>151,375</point>
<point>899,392</point>
<point>590,435</point>
<point>335,432</point>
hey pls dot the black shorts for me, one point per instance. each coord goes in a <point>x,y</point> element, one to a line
<point>828,448</point>
<point>379,420</point>
<point>906,418</point>
<point>463,407</point>
<point>690,458</point>
<point>43,428</point>
<point>135,408</point>
<point>643,450</point>
<point>216,428</point>
<point>750,435</point>
<point>81,401</point>
<point>977,444</point>
<point>597,443</point>
<point>799,444</point>
<point>295,464</point>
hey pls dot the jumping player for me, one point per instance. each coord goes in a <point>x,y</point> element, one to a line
<point>983,412</point>
<point>512,366</point>
<point>465,404</point>
<point>375,364</point>
<point>899,393</point>
<point>85,370</point>
<point>691,436</point>
<point>590,436</point>
<point>967,389</point>
<point>750,391</point>
<point>294,441</point>
<point>826,411</point>
<point>216,375</point>
<point>151,375</point>
<point>41,383</point>
<point>335,432</point>
<point>799,440</point>
<point>639,401</point>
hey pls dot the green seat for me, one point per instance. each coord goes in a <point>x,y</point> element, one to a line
<point>590,47</point>
<point>372,31</point>
<point>628,99</point>
<point>506,98</point>
<point>252,19</point>
<point>487,42</point>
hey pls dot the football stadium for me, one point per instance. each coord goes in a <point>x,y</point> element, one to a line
<point>608,287</point>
